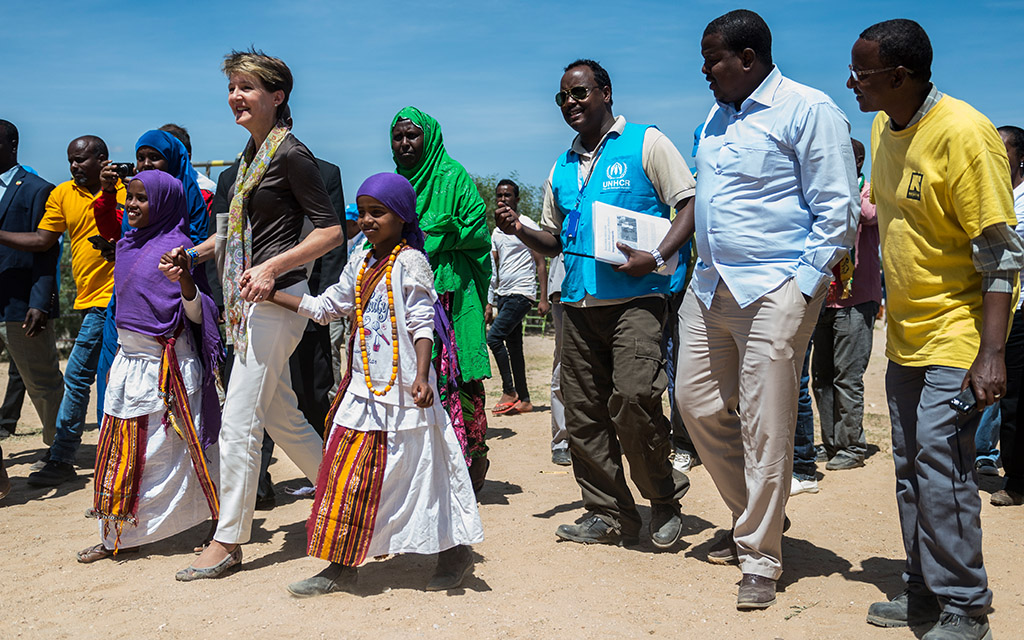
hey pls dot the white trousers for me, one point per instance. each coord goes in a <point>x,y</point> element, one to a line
<point>260,397</point>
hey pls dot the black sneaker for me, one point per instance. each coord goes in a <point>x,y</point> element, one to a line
<point>986,467</point>
<point>908,609</point>
<point>666,525</point>
<point>594,530</point>
<point>52,474</point>
<point>336,577</point>
<point>952,626</point>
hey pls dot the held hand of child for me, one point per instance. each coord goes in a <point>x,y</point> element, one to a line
<point>174,263</point>
<point>422,394</point>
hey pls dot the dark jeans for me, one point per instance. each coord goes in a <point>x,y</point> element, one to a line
<point>805,465</point>
<point>670,343</point>
<point>842,348</point>
<point>79,374</point>
<point>1011,433</point>
<point>505,338</point>
<point>14,399</point>
<point>613,378</point>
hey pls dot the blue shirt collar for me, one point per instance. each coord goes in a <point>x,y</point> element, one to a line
<point>764,94</point>
<point>8,176</point>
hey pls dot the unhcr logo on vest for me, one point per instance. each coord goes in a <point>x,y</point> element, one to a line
<point>616,174</point>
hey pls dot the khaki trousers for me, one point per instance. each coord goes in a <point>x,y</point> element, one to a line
<point>739,373</point>
<point>37,362</point>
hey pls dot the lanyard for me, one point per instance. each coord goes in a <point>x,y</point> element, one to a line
<point>573,220</point>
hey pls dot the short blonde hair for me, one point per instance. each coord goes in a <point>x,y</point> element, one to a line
<point>272,72</point>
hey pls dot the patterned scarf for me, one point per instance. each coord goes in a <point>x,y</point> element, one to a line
<point>238,252</point>
<point>119,460</point>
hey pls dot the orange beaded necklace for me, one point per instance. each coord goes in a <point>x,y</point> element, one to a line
<point>391,312</point>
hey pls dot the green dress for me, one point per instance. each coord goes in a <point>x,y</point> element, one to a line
<point>453,217</point>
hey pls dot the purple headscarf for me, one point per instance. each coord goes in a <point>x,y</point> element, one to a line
<point>396,193</point>
<point>149,303</point>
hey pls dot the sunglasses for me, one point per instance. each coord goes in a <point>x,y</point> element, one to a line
<point>578,94</point>
<point>857,75</point>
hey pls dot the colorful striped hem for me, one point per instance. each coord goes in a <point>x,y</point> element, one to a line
<point>348,488</point>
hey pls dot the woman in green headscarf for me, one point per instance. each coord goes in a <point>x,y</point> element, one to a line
<point>453,217</point>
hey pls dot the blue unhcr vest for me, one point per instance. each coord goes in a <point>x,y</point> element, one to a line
<point>617,179</point>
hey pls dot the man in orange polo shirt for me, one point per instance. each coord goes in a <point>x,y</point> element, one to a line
<point>70,208</point>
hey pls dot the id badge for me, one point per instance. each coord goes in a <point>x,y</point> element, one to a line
<point>572,223</point>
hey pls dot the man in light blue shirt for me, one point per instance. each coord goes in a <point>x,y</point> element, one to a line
<point>775,208</point>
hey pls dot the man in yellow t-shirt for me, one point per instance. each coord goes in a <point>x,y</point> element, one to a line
<point>70,208</point>
<point>941,181</point>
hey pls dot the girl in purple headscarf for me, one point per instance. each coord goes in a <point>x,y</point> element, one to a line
<point>161,412</point>
<point>393,478</point>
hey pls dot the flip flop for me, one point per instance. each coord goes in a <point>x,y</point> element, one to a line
<point>522,408</point>
<point>99,552</point>
<point>504,407</point>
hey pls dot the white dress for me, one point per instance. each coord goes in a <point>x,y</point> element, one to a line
<point>427,504</point>
<point>171,499</point>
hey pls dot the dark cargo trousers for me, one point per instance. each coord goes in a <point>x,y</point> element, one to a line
<point>613,378</point>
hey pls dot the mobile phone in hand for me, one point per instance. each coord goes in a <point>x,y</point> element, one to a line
<point>965,403</point>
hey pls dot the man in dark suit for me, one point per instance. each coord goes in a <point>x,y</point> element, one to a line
<point>310,366</point>
<point>28,285</point>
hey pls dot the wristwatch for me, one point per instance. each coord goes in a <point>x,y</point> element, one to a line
<point>658,260</point>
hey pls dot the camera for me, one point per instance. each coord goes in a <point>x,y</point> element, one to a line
<point>124,169</point>
<point>965,402</point>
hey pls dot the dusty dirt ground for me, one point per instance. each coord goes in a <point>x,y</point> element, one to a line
<point>842,553</point>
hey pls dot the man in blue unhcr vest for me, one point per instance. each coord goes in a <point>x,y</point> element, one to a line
<point>613,371</point>
<point>776,207</point>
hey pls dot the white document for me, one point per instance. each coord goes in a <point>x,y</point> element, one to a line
<point>638,230</point>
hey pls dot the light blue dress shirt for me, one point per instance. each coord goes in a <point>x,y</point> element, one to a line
<point>777,192</point>
<point>6,178</point>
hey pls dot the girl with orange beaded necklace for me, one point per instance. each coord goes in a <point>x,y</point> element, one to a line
<point>393,478</point>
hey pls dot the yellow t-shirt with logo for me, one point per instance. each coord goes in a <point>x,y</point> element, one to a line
<point>937,185</point>
<point>69,208</point>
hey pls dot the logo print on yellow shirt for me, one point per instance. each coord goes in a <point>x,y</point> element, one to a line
<point>914,188</point>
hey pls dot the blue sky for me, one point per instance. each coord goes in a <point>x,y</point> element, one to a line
<point>487,70</point>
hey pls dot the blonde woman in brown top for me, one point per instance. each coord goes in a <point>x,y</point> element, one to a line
<point>278,187</point>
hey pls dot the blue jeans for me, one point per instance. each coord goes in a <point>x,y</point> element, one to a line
<point>107,353</point>
<point>804,456</point>
<point>78,378</point>
<point>987,437</point>
<point>505,338</point>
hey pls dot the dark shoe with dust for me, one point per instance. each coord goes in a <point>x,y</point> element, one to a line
<point>908,609</point>
<point>52,474</point>
<point>336,577</point>
<point>952,626</point>
<point>594,530</point>
<point>666,525</point>
<point>723,550</point>
<point>453,566</point>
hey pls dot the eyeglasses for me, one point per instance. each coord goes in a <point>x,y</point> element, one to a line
<point>578,94</point>
<point>857,75</point>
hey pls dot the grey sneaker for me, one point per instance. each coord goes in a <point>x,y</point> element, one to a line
<point>842,462</point>
<point>561,457</point>
<point>908,609</point>
<point>952,626</point>
<point>594,530</point>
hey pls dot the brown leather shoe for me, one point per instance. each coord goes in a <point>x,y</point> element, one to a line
<point>1006,498</point>
<point>756,592</point>
<point>723,551</point>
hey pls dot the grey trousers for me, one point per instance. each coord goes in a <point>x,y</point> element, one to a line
<point>613,378</point>
<point>842,348</point>
<point>37,361</point>
<point>936,487</point>
<point>559,436</point>
<point>738,396</point>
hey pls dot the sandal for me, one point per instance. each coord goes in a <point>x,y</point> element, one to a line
<point>504,407</point>
<point>99,552</point>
